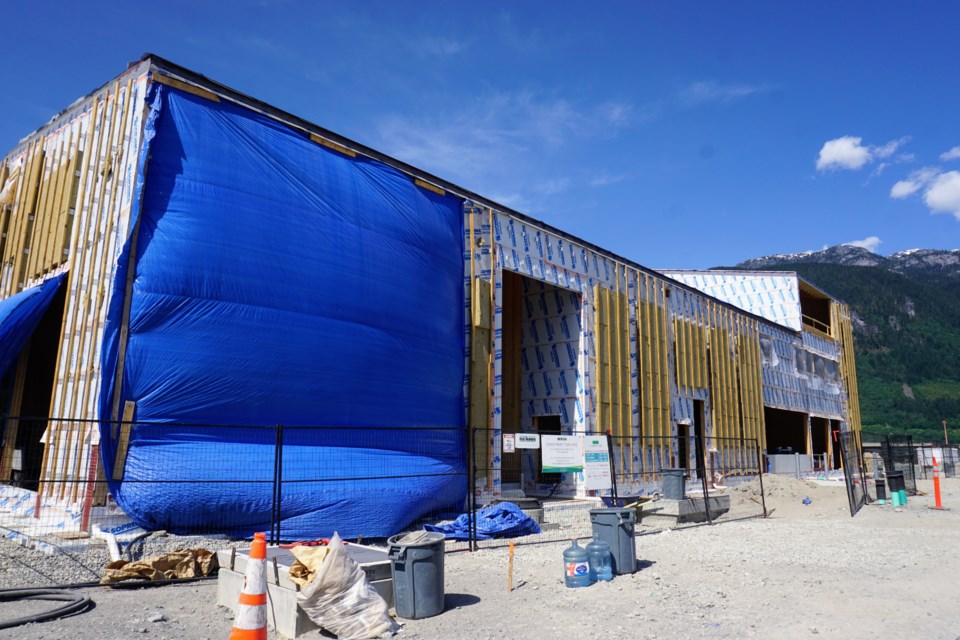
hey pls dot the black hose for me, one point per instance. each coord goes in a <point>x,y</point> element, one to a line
<point>75,603</point>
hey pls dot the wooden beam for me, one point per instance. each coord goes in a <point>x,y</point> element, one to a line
<point>183,86</point>
<point>13,424</point>
<point>123,443</point>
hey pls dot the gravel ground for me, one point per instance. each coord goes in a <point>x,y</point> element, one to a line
<point>807,571</point>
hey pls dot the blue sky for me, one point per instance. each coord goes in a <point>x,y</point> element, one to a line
<point>679,135</point>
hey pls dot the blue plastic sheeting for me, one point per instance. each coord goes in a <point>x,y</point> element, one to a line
<point>501,520</point>
<point>19,316</point>
<point>279,282</point>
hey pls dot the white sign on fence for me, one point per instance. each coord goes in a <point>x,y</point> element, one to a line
<point>562,454</point>
<point>528,441</point>
<point>596,463</point>
<point>509,444</point>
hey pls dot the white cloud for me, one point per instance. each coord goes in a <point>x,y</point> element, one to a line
<point>699,93</point>
<point>871,244</point>
<point>552,187</point>
<point>849,152</point>
<point>887,150</point>
<point>441,47</point>
<point>915,181</point>
<point>606,180</point>
<point>952,154</point>
<point>903,189</point>
<point>493,142</point>
<point>843,153</point>
<point>943,196</point>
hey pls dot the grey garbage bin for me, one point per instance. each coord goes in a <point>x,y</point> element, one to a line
<point>615,526</point>
<point>674,483</point>
<point>416,564</point>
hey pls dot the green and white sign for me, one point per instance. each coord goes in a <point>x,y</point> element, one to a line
<point>596,463</point>
<point>562,454</point>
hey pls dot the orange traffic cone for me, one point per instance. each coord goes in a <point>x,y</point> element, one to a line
<point>251,620</point>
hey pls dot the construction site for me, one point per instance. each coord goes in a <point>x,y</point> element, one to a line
<point>219,319</point>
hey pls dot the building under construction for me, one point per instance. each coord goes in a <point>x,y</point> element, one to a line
<point>175,253</point>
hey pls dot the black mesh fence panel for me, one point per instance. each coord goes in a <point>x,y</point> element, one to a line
<point>899,454</point>
<point>853,472</point>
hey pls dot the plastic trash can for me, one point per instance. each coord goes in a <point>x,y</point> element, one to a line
<point>895,481</point>
<point>898,484</point>
<point>674,483</point>
<point>416,564</point>
<point>881,491</point>
<point>615,526</point>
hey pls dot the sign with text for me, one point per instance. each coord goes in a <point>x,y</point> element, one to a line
<point>509,444</point>
<point>596,463</point>
<point>562,454</point>
<point>528,441</point>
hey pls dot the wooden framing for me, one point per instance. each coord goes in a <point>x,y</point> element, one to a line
<point>848,368</point>
<point>614,405</point>
<point>13,425</point>
<point>481,354</point>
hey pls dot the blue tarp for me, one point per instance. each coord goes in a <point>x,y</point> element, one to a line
<point>19,316</point>
<point>278,281</point>
<point>501,520</point>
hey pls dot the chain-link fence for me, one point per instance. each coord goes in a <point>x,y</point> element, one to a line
<point>899,454</point>
<point>670,482</point>
<point>945,456</point>
<point>853,471</point>
<point>63,483</point>
<point>294,482</point>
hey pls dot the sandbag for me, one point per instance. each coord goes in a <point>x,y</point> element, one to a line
<point>181,563</point>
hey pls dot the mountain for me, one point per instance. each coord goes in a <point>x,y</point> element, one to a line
<point>906,313</point>
<point>924,264</point>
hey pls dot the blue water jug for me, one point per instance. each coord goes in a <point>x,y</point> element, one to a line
<point>576,566</point>
<point>600,559</point>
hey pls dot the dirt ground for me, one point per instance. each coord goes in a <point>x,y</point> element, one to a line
<point>806,571</point>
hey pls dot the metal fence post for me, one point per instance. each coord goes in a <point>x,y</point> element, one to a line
<point>277,481</point>
<point>763,498</point>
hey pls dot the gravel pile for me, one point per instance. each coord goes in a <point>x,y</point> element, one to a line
<point>83,561</point>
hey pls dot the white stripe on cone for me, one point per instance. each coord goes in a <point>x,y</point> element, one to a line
<point>254,583</point>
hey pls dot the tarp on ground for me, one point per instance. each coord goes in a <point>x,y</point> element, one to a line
<point>501,520</point>
<point>281,282</point>
<point>19,316</point>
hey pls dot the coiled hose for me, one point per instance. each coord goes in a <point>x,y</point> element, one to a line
<point>73,603</point>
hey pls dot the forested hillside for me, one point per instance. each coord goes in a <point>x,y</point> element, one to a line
<point>907,334</point>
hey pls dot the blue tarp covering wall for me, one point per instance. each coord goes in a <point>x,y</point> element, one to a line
<point>19,316</point>
<point>278,281</point>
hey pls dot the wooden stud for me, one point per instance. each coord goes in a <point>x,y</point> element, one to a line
<point>183,86</point>
<point>72,231</point>
<point>423,184</point>
<point>27,216</point>
<point>50,210</point>
<point>106,248</point>
<point>35,240</point>
<point>67,198</point>
<point>123,443</point>
<point>330,144</point>
<point>13,424</point>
